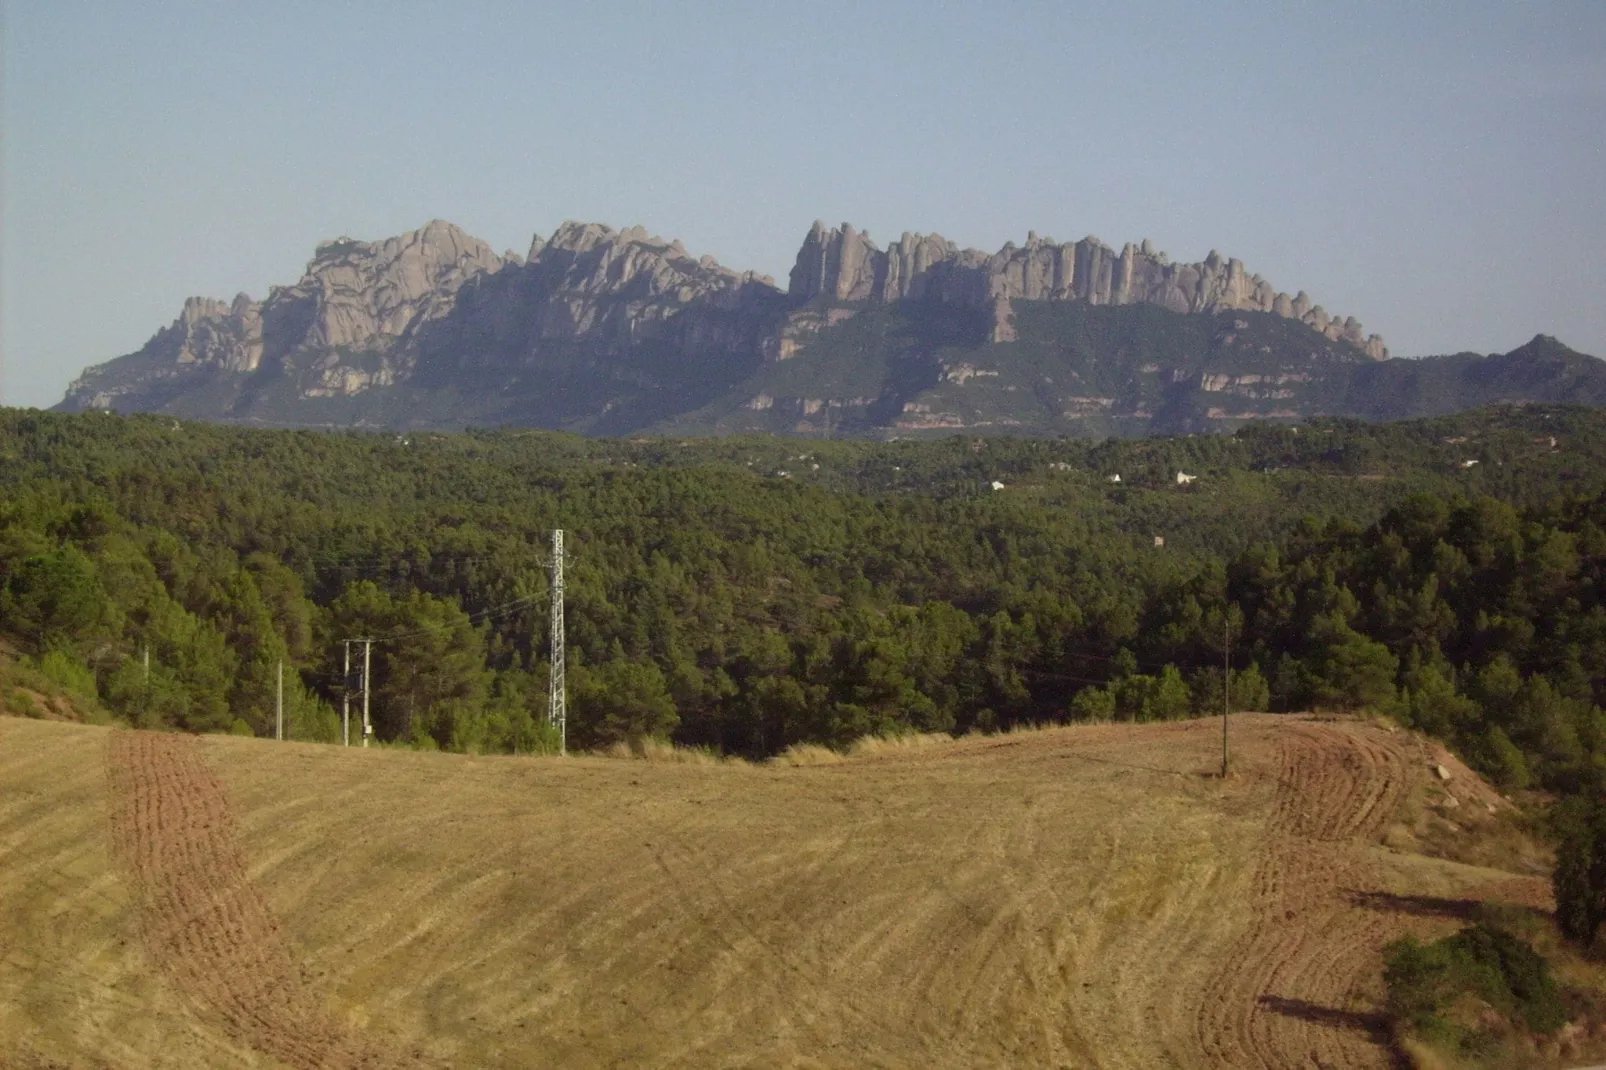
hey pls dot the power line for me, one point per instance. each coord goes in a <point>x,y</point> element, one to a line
<point>1142,663</point>
<point>1045,675</point>
<point>365,688</point>
<point>480,616</point>
<point>334,562</point>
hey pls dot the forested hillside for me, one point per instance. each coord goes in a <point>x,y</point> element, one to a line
<point>748,594</point>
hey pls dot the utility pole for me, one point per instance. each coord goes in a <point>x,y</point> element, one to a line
<point>557,705</point>
<point>278,717</point>
<point>1226,687</point>
<point>345,700</point>
<point>145,682</point>
<point>367,725</point>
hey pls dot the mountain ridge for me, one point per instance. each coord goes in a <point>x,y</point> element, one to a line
<point>609,331</point>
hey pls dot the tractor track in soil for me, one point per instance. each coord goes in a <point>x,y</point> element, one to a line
<point>203,920</point>
<point>1284,995</point>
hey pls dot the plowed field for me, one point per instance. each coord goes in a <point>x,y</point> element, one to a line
<point>1086,897</point>
<point>203,920</point>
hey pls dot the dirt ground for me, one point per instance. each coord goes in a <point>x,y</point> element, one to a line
<point>1082,897</point>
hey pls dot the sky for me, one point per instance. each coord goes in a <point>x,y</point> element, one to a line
<point>1437,170</point>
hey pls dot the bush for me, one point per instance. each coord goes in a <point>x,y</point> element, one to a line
<point>1249,691</point>
<point>66,670</point>
<point>1426,981</point>
<point>1093,704</point>
<point>22,702</point>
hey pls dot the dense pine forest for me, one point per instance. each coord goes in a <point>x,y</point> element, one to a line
<point>749,594</point>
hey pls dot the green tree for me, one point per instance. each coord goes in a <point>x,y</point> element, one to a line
<point>428,665</point>
<point>1169,698</point>
<point>1579,878</point>
<point>56,598</point>
<point>1503,760</point>
<point>1350,671</point>
<point>622,700</point>
<point>1433,705</point>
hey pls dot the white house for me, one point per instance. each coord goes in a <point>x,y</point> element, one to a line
<point>1185,478</point>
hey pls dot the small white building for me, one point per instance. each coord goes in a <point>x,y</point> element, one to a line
<point>1184,478</point>
<point>997,485</point>
<point>1114,479</point>
<point>1468,464</point>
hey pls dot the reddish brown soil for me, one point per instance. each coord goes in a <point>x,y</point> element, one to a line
<point>204,922</point>
<point>1279,1000</point>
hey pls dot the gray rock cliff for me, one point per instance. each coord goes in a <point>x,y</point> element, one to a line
<point>364,313</point>
<point>593,321</point>
<point>843,264</point>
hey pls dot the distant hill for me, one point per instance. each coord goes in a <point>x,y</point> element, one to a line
<point>617,332</point>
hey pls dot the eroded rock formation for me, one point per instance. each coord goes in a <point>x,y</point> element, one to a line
<point>843,264</point>
<point>624,306</point>
<point>364,313</point>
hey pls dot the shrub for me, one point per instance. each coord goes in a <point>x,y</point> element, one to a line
<point>22,702</point>
<point>1093,704</point>
<point>68,671</point>
<point>808,754</point>
<point>1426,981</point>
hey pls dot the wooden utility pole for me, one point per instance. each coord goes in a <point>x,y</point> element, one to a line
<point>1226,687</point>
<point>345,700</point>
<point>278,718</point>
<point>367,725</point>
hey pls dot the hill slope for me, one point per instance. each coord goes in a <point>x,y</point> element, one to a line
<point>1074,897</point>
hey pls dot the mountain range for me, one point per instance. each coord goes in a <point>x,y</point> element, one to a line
<point>619,332</point>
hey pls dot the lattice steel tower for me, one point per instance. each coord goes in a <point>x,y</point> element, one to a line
<point>557,708</point>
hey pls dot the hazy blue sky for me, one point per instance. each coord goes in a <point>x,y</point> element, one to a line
<point>1436,170</point>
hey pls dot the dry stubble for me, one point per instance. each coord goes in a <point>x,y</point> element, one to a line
<point>1082,897</point>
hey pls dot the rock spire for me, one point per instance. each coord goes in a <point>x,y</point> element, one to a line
<point>843,264</point>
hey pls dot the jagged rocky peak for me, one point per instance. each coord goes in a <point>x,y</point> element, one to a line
<point>365,293</point>
<point>593,258</point>
<point>354,294</point>
<point>209,331</point>
<point>359,315</point>
<point>843,264</point>
<point>588,281</point>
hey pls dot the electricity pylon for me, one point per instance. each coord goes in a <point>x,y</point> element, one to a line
<point>557,705</point>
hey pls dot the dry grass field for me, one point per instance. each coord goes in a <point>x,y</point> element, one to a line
<point>1080,897</point>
